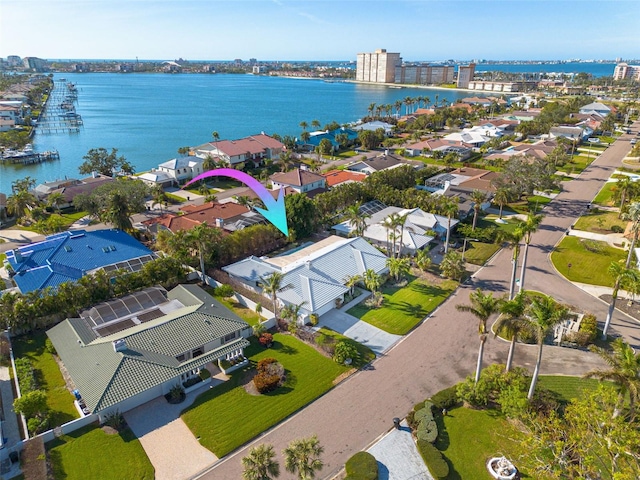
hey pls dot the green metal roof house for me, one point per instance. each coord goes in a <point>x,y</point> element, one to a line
<point>128,351</point>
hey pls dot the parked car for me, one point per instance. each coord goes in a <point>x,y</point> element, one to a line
<point>634,141</point>
<point>594,140</point>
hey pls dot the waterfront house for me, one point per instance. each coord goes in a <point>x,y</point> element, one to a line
<point>459,184</point>
<point>128,351</point>
<point>70,187</point>
<point>598,108</point>
<point>182,169</point>
<point>314,277</point>
<point>386,161</point>
<point>254,148</point>
<point>339,177</point>
<point>68,256</point>
<point>350,135</point>
<point>445,146</point>
<point>155,177</point>
<point>301,181</point>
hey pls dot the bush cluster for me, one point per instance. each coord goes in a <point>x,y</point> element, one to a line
<point>265,339</point>
<point>589,325</point>
<point>362,466</point>
<point>493,381</point>
<point>191,382</point>
<point>445,399</point>
<point>433,459</point>
<point>427,428</point>
<point>26,375</point>
<point>486,234</point>
<point>345,349</point>
<point>326,343</point>
<point>270,375</point>
<point>617,229</point>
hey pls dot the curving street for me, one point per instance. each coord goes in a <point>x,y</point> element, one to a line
<point>443,349</point>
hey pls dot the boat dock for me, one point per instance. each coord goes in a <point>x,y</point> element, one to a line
<point>28,157</point>
<point>59,115</point>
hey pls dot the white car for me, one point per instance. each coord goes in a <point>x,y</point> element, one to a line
<point>594,140</point>
<point>633,141</point>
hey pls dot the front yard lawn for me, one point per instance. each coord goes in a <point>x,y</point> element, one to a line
<point>91,453</point>
<point>245,313</point>
<point>586,266</point>
<point>405,307</point>
<point>226,416</point>
<point>605,195</point>
<point>599,222</point>
<point>365,354</point>
<point>478,253</point>
<point>48,374</point>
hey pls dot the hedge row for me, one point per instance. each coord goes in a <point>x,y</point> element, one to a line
<point>433,459</point>
<point>362,466</point>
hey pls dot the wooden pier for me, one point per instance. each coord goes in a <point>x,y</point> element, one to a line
<point>59,115</point>
<point>29,158</point>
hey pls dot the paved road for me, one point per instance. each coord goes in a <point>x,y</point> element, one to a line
<point>442,350</point>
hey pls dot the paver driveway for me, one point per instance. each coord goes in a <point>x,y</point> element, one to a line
<point>171,447</point>
<point>376,339</point>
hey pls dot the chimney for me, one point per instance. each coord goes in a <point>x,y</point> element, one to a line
<point>120,345</point>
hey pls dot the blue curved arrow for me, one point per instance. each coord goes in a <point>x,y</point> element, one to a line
<point>275,210</point>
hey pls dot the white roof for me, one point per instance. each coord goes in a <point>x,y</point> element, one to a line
<point>182,162</point>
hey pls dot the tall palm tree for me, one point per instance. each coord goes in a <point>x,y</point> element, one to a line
<point>624,371</point>
<point>482,307</point>
<point>261,464</point>
<point>371,280</point>
<point>529,227</point>
<point>315,124</point>
<point>502,197</point>
<point>632,215</point>
<point>158,196</point>
<point>372,107</point>
<point>511,322</point>
<point>55,199</point>
<point>398,106</point>
<point>351,281</point>
<point>117,212</point>
<point>209,163</point>
<point>513,238</point>
<point>356,219</point>
<point>449,208</point>
<point>621,275</point>
<point>398,267</point>
<point>271,285</point>
<point>302,457</point>
<point>423,260</point>
<point>216,136</point>
<point>478,197</point>
<point>542,316</point>
<point>201,238</point>
<point>20,201</point>
<point>304,125</point>
<point>623,186</point>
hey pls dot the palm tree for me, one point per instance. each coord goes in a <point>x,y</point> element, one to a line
<point>542,316</point>
<point>158,196</point>
<point>502,197</point>
<point>371,280</point>
<point>271,285</point>
<point>423,260</point>
<point>623,186</point>
<point>398,267</point>
<point>260,464</point>
<point>244,200</point>
<point>302,457</point>
<point>20,201</point>
<point>356,219</point>
<point>291,312</point>
<point>621,275</point>
<point>304,125</point>
<point>482,307</point>
<point>632,215</point>
<point>478,197</point>
<point>528,229</point>
<point>372,107</point>
<point>315,124</point>
<point>511,322</point>
<point>351,281</point>
<point>117,212</point>
<point>216,136</point>
<point>398,105</point>
<point>513,238</point>
<point>200,238</point>
<point>624,371</point>
<point>55,199</point>
<point>449,208</point>
<point>209,163</point>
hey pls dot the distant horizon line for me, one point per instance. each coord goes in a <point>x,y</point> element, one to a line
<point>483,61</point>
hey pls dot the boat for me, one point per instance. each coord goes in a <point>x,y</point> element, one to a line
<point>501,468</point>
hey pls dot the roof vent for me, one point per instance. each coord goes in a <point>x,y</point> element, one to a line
<point>120,345</point>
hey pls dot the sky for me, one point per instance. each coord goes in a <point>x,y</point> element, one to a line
<point>320,29</point>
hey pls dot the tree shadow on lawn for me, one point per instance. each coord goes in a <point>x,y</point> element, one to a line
<point>413,309</point>
<point>430,290</point>
<point>284,349</point>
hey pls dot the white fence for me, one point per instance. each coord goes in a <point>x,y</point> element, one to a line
<point>69,427</point>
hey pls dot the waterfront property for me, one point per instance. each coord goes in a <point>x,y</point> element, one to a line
<point>254,148</point>
<point>174,171</point>
<point>70,187</point>
<point>385,161</point>
<point>68,256</point>
<point>301,181</point>
<point>314,277</point>
<point>128,351</point>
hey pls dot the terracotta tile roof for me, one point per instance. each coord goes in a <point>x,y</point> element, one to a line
<point>255,144</point>
<point>336,177</point>
<point>247,192</point>
<point>296,177</point>
<point>213,210</point>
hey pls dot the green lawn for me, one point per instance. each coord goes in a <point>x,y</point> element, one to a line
<point>59,398</point>
<point>91,453</point>
<point>469,437</point>
<point>579,162</point>
<point>605,195</point>
<point>599,222</point>
<point>405,307</point>
<point>365,354</point>
<point>226,416</point>
<point>532,202</point>
<point>586,266</point>
<point>478,253</point>
<point>175,198</point>
<point>248,315</point>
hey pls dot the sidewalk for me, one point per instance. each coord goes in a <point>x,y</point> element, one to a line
<point>10,429</point>
<point>614,239</point>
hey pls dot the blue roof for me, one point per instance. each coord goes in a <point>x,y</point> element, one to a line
<point>68,256</point>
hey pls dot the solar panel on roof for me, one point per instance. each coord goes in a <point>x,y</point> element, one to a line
<point>132,304</point>
<point>114,327</point>
<point>150,315</point>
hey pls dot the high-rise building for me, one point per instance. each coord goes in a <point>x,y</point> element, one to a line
<point>424,74</point>
<point>465,75</point>
<point>377,67</point>
<point>624,70</point>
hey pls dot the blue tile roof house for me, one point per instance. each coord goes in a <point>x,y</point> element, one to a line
<point>128,351</point>
<point>68,256</point>
<point>315,276</point>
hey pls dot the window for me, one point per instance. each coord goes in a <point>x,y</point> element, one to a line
<point>180,358</point>
<point>197,352</point>
<point>231,336</point>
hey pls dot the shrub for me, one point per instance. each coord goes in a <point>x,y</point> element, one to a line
<point>48,346</point>
<point>224,291</point>
<point>617,229</point>
<point>313,319</point>
<point>266,339</point>
<point>204,374</point>
<point>433,459</point>
<point>427,430</point>
<point>362,466</point>
<point>176,394</point>
<point>326,342</point>
<point>259,329</point>
<point>589,325</point>
<point>445,399</point>
<point>580,338</point>
<point>486,235</point>
<point>513,402</point>
<point>116,420</point>
<point>270,375</point>
<point>344,349</point>
<point>26,375</point>
<point>592,245</point>
<point>191,382</point>
<point>475,394</point>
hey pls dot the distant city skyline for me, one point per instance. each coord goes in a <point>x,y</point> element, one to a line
<point>320,30</point>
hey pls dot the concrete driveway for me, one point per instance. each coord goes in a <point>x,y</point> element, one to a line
<point>377,340</point>
<point>171,447</point>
